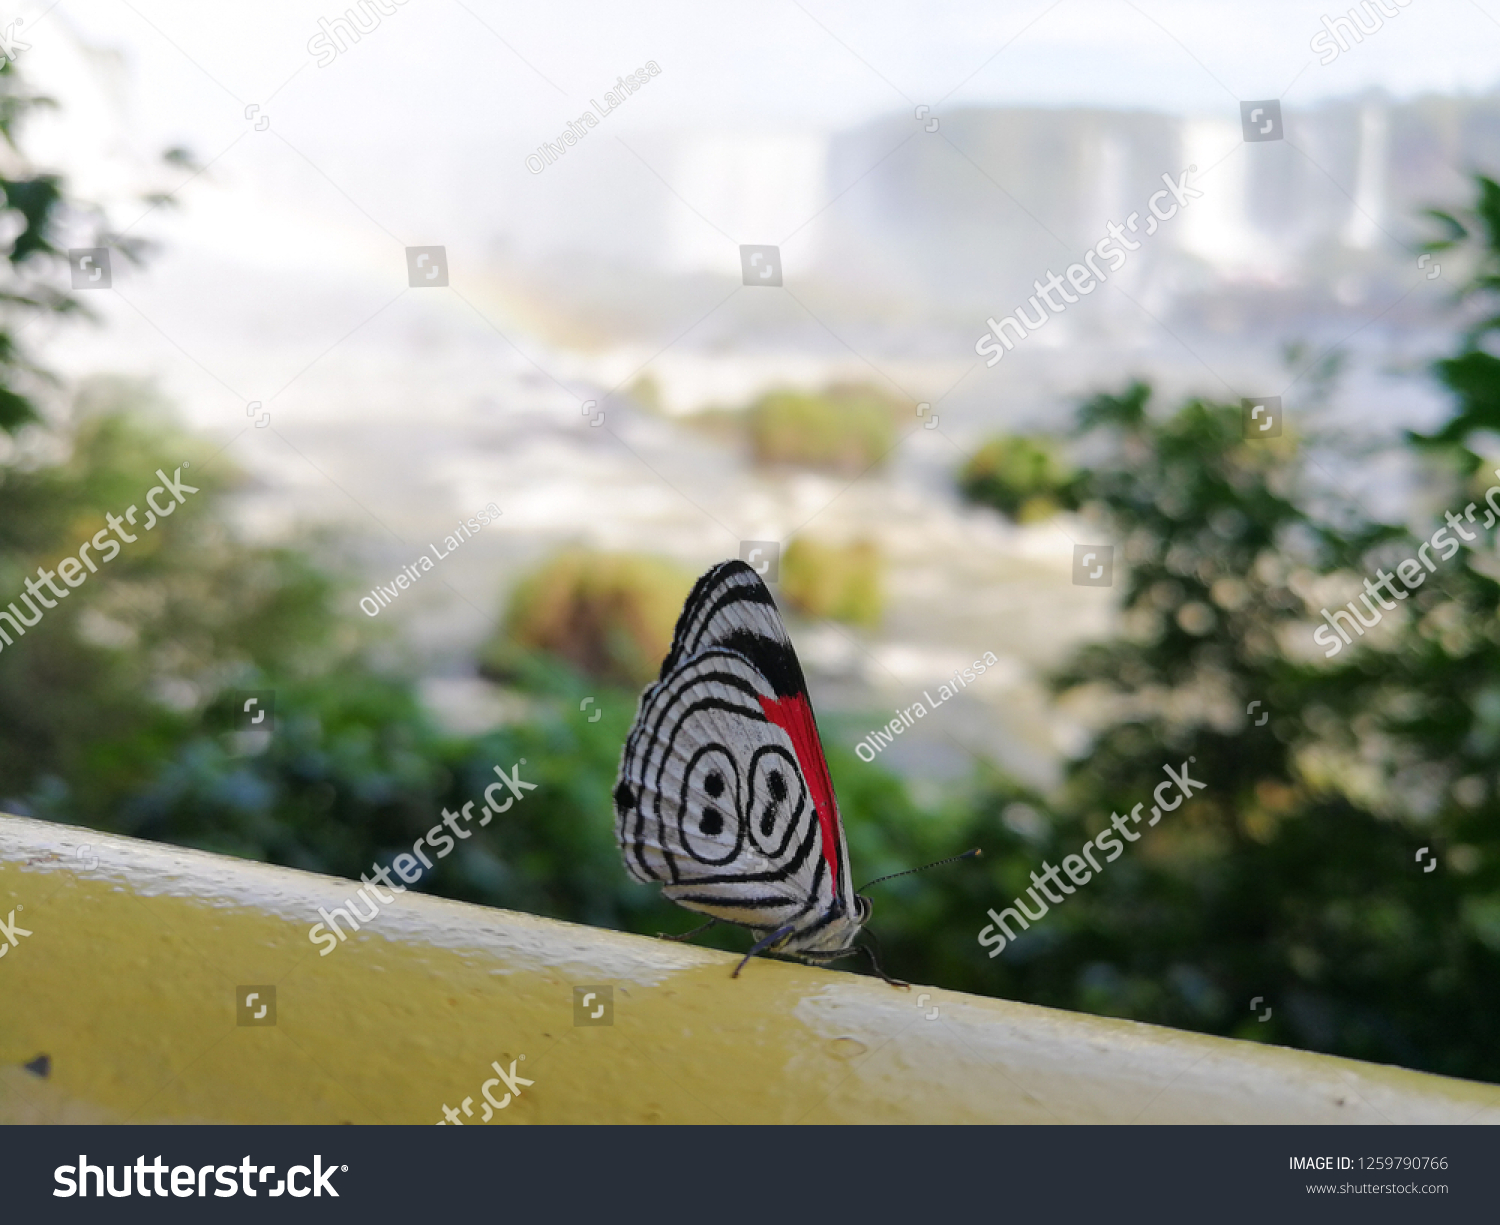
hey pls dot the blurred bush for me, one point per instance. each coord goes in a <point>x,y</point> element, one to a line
<point>838,581</point>
<point>116,673</point>
<point>609,615</point>
<point>42,221</point>
<point>1294,875</point>
<point>1024,478</point>
<point>846,428</point>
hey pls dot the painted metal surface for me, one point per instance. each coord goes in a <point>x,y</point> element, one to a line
<point>131,981</point>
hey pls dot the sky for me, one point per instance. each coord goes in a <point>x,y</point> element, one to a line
<point>448,97</point>
<point>418,133</point>
<point>441,102</point>
<point>796,63</point>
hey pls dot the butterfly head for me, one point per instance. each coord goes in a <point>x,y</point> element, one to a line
<point>834,933</point>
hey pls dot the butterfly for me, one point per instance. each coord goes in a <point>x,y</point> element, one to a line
<point>724,796</point>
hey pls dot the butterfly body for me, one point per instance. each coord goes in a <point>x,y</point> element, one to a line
<point>723,796</point>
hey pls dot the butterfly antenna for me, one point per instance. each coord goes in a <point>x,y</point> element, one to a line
<point>936,863</point>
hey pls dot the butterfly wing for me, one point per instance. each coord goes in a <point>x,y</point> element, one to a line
<point>724,796</point>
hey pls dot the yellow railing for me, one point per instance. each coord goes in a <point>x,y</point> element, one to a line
<point>127,964</point>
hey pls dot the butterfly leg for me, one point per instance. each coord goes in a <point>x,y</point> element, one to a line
<point>879,969</point>
<point>850,952</point>
<point>702,927</point>
<point>765,942</point>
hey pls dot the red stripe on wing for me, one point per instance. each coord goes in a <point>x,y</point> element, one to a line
<point>795,717</point>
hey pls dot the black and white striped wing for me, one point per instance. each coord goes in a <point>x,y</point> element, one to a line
<point>723,795</point>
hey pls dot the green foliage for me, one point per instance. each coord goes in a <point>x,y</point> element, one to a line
<point>1024,478</point>
<point>841,582</point>
<point>1292,877</point>
<point>610,615</point>
<point>846,428</point>
<point>111,677</point>
<point>114,709</point>
<point>38,202</point>
<point>1473,373</point>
